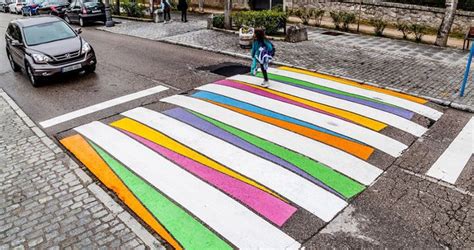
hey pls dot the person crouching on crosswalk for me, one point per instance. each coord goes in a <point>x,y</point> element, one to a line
<point>262,53</point>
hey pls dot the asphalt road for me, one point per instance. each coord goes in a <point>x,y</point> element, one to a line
<point>125,65</point>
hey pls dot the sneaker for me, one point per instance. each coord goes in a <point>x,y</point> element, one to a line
<point>164,22</point>
<point>265,84</point>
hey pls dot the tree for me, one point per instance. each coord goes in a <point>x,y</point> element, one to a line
<point>201,6</point>
<point>227,11</point>
<point>445,27</point>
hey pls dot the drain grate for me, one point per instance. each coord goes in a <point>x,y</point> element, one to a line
<point>332,33</point>
<point>227,69</point>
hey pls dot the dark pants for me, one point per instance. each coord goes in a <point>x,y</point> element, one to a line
<point>264,72</point>
<point>184,15</point>
<point>166,15</point>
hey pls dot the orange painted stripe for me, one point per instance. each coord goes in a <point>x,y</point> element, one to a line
<point>77,145</point>
<point>354,148</point>
<point>356,84</point>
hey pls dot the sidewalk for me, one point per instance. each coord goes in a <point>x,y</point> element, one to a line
<point>46,200</point>
<point>418,69</point>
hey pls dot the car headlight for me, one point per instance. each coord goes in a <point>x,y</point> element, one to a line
<point>40,58</point>
<point>85,48</point>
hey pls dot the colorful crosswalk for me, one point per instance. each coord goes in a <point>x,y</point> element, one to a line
<point>233,163</point>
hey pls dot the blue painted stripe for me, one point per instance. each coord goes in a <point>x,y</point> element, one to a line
<point>252,108</point>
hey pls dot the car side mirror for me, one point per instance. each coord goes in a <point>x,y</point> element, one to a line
<point>78,30</point>
<point>16,43</point>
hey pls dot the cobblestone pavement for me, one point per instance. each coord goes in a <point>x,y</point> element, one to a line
<point>47,201</point>
<point>418,69</point>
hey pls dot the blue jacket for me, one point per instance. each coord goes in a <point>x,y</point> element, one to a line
<point>256,45</point>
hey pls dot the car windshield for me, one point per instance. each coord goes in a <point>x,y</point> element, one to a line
<point>92,3</point>
<point>58,2</point>
<point>47,32</point>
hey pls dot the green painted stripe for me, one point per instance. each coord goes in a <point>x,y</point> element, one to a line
<point>316,86</point>
<point>335,180</point>
<point>189,232</point>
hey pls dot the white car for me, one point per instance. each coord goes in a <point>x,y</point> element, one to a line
<point>16,6</point>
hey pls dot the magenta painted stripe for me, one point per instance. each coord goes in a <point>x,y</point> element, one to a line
<point>272,96</point>
<point>263,203</point>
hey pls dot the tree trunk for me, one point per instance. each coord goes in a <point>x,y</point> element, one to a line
<point>445,27</point>
<point>117,7</point>
<point>201,6</point>
<point>227,11</point>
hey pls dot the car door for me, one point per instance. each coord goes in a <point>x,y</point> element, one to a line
<point>16,51</point>
<point>72,11</point>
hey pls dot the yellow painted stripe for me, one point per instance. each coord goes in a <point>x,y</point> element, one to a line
<point>81,149</point>
<point>358,119</point>
<point>139,129</point>
<point>356,84</point>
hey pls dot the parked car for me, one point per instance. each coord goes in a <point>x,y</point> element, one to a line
<point>85,11</point>
<point>16,6</point>
<point>47,46</point>
<point>4,5</point>
<point>31,7</point>
<point>53,7</point>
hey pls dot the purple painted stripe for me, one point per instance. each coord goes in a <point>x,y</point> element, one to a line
<point>263,203</point>
<point>387,108</point>
<point>257,91</point>
<point>186,117</point>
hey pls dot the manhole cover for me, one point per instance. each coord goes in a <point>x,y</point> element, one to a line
<point>332,33</point>
<point>227,69</point>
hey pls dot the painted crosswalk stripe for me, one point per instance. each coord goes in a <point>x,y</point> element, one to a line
<point>311,197</point>
<point>229,218</point>
<point>101,106</point>
<point>406,104</point>
<point>265,204</point>
<point>293,161</point>
<point>451,163</point>
<point>364,135</point>
<point>390,119</point>
<point>341,161</point>
<point>307,104</point>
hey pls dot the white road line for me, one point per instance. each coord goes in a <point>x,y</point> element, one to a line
<point>385,117</point>
<point>232,220</point>
<point>365,135</point>
<point>339,160</point>
<point>406,104</point>
<point>100,106</point>
<point>450,164</point>
<point>313,198</point>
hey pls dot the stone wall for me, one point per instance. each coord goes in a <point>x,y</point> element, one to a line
<point>391,12</point>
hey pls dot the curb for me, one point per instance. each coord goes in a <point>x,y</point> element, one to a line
<point>101,194</point>
<point>442,102</point>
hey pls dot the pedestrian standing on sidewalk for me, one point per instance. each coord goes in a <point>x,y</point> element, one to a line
<point>262,53</point>
<point>166,8</point>
<point>183,7</point>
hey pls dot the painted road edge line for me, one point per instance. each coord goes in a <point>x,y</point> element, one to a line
<point>451,163</point>
<point>101,106</point>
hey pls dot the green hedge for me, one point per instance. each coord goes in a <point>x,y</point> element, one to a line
<point>218,21</point>
<point>271,20</point>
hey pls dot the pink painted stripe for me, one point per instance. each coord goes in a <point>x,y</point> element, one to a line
<point>263,203</point>
<point>272,96</point>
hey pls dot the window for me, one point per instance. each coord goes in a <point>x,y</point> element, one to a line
<point>47,32</point>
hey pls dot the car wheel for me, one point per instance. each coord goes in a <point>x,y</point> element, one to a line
<point>35,81</point>
<point>81,22</point>
<point>66,18</point>
<point>90,68</point>
<point>15,66</point>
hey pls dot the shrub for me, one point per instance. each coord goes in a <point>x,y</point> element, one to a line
<point>278,8</point>
<point>133,9</point>
<point>218,21</point>
<point>346,19</point>
<point>336,18</point>
<point>270,20</point>
<point>419,30</point>
<point>318,14</point>
<point>403,27</point>
<point>379,25</point>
